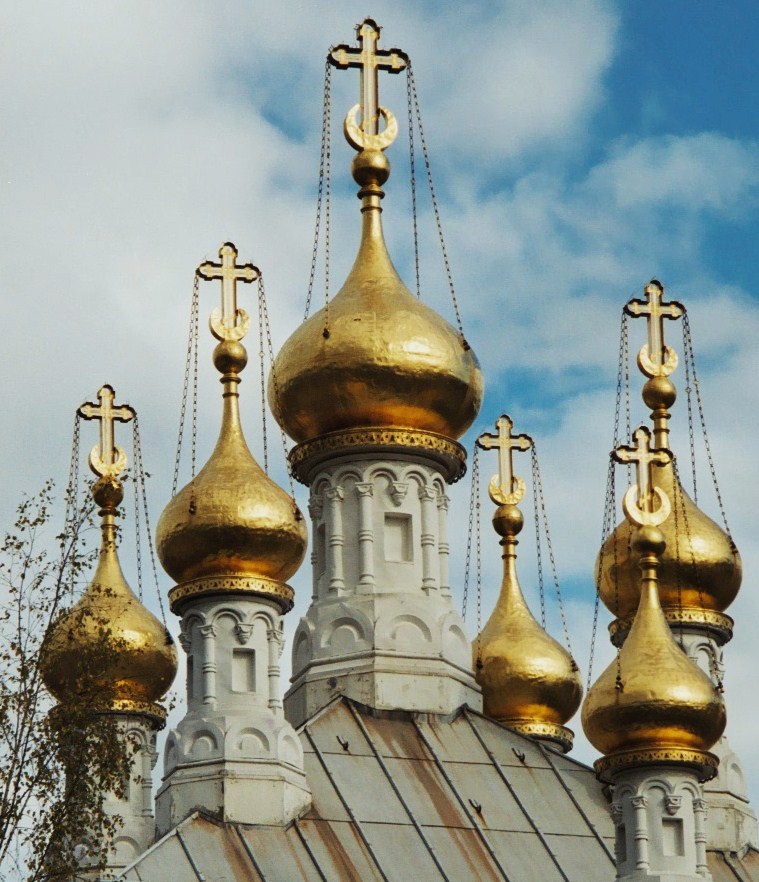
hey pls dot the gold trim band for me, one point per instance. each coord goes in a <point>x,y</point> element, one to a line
<point>705,763</point>
<point>447,453</point>
<point>549,731</point>
<point>258,585</point>
<point>719,624</point>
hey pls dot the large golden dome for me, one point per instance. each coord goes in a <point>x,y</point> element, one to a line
<point>699,569</point>
<point>529,682</point>
<point>387,361</point>
<point>663,700</point>
<point>109,644</point>
<point>232,519</point>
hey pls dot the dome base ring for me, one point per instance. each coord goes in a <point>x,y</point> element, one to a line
<point>705,763</point>
<point>448,454</point>
<point>279,592</point>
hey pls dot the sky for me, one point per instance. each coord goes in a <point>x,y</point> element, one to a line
<point>579,148</point>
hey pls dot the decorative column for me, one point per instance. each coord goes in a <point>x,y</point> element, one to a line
<point>315,509</point>
<point>443,547</point>
<point>335,540</point>
<point>428,496</point>
<point>365,491</point>
<point>640,804</point>
<point>208,664</point>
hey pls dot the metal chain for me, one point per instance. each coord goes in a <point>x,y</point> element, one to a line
<point>412,168</point>
<point>262,371</point>
<point>677,503</point>
<point>690,356</point>
<point>323,163</point>
<point>606,527</point>
<point>140,474</point>
<point>275,384</point>
<point>610,505</point>
<point>538,543</point>
<point>71,515</point>
<point>435,209</point>
<point>540,498</point>
<point>689,401</point>
<point>137,519</point>
<point>190,361</point>
<point>474,495</point>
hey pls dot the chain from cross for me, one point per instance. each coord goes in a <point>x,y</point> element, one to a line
<point>369,59</point>
<point>638,503</point>
<point>505,488</point>
<point>106,459</point>
<point>229,323</point>
<point>656,359</point>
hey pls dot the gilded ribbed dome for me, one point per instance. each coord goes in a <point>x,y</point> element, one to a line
<point>232,519</point>
<point>387,361</point>
<point>109,642</point>
<point>529,681</point>
<point>665,701</point>
<point>700,567</point>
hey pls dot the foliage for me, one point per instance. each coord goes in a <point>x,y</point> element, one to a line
<point>57,763</point>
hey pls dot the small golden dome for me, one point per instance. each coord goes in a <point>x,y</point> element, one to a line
<point>232,519</point>
<point>527,679</point>
<point>108,641</point>
<point>700,567</point>
<point>665,701</point>
<point>386,361</point>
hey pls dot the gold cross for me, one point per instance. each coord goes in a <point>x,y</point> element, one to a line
<point>658,359</point>
<point>106,458</point>
<point>638,503</point>
<point>224,324</point>
<point>505,487</point>
<point>369,59</point>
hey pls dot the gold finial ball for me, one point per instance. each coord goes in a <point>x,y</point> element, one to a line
<point>659,392</point>
<point>230,357</point>
<point>648,540</point>
<point>370,167</point>
<point>108,492</point>
<point>508,520</point>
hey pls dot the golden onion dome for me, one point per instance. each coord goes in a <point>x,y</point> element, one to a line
<point>108,642</point>
<point>662,700</point>
<point>699,569</point>
<point>377,357</point>
<point>529,682</point>
<point>232,520</point>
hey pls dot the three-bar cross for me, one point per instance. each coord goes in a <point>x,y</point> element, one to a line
<point>639,499</point>
<point>230,273</point>
<point>106,458</point>
<point>661,361</point>
<point>368,59</point>
<point>505,487</point>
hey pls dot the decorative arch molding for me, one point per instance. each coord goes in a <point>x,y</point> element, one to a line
<point>347,632</point>
<point>249,742</point>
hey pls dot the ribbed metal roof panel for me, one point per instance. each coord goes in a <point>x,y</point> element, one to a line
<point>404,796</point>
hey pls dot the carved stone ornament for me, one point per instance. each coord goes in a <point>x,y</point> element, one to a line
<point>243,632</point>
<point>672,804</point>
<point>398,492</point>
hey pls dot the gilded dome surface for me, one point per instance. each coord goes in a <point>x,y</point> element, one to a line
<point>525,675</point>
<point>109,641</point>
<point>665,699</point>
<point>700,567</point>
<point>388,361</point>
<point>232,520</point>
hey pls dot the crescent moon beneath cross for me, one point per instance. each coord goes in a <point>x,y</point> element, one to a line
<point>360,140</point>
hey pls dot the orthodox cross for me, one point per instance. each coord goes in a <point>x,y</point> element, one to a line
<point>659,360</point>
<point>505,487</point>
<point>106,458</point>
<point>369,59</point>
<point>639,499</point>
<point>224,324</point>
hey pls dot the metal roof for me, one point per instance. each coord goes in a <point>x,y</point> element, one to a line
<point>399,795</point>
